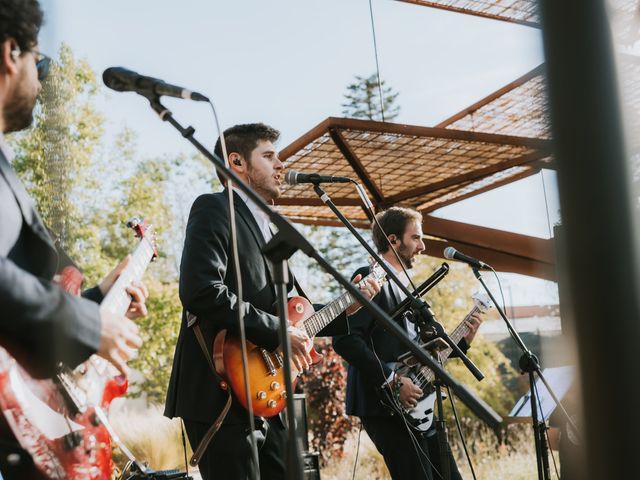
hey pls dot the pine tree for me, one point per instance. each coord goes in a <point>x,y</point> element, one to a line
<point>362,100</point>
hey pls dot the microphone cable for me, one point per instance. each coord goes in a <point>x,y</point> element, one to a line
<point>235,259</point>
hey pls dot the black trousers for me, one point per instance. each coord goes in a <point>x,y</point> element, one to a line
<point>228,456</point>
<point>408,457</point>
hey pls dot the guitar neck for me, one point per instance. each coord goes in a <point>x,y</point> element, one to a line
<point>117,299</point>
<point>457,335</point>
<point>328,314</point>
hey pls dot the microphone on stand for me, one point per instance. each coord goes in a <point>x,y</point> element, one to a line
<point>294,178</point>
<point>453,254</point>
<point>123,80</point>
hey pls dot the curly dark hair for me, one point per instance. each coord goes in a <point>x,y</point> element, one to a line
<point>21,20</point>
<point>244,138</point>
<point>393,221</point>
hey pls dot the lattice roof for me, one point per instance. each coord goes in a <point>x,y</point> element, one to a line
<point>625,14</point>
<point>524,12</point>
<point>419,167</point>
<point>520,108</point>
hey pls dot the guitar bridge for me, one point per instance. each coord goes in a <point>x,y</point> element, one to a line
<point>269,363</point>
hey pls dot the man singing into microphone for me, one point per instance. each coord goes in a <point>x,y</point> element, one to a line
<point>369,348</point>
<point>208,291</point>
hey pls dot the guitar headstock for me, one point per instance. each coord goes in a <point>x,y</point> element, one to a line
<point>144,231</point>
<point>482,301</point>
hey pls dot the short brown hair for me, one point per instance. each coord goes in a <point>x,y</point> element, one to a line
<point>243,139</point>
<point>393,221</point>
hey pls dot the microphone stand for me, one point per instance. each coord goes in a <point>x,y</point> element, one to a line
<point>529,364</point>
<point>285,242</point>
<point>426,315</point>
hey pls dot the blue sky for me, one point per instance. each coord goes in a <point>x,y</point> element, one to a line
<point>287,63</point>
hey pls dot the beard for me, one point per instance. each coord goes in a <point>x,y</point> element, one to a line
<point>18,111</point>
<point>406,257</point>
<point>264,185</point>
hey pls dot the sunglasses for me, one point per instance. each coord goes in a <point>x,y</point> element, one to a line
<point>43,62</point>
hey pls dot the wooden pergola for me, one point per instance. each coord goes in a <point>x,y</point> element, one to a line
<point>423,168</point>
<point>500,139</point>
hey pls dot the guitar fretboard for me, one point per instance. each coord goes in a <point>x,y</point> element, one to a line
<point>327,314</point>
<point>425,374</point>
<point>117,299</point>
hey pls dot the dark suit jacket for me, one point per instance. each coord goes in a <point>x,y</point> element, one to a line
<point>368,371</point>
<point>207,290</point>
<point>36,315</point>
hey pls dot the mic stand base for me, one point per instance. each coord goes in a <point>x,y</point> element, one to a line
<point>443,440</point>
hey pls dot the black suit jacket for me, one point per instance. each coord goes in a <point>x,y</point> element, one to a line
<point>207,290</point>
<point>367,349</point>
<point>36,315</point>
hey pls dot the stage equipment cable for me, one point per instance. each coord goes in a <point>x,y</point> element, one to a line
<point>546,203</point>
<point>238,277</point>
<point>459,428</point>
<point>375,51</point>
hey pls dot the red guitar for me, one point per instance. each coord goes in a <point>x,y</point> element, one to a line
<point>61,421</point>
<point>266,375</point>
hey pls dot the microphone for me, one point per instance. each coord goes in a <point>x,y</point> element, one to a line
<point>294,178</point>
<point>123,80</point>
<point>453,254</point>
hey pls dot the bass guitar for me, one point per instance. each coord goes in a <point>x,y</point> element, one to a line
<point>420,417</point>
<point>61,422</point>
<point>266,374</point>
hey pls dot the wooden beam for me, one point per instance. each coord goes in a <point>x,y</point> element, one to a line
<point>468,11</point>
<point>316,202</point>
<point>515,244</point>
<point>469,176</point>
<point>301,142</point>
<point>446,133</point>
<point>328,223</point>
<point>356,164</point>
<point>500,261</point>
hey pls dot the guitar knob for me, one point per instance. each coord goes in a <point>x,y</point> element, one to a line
<point>272,404</point>
<point>262,395</point>
<point>283,395</point>
<point>275,385</point>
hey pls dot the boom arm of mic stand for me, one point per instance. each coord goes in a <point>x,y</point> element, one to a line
<point>422,307</point>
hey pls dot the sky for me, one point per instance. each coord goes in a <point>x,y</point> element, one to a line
<point>288,62</point>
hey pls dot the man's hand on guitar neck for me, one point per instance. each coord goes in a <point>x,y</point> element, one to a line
<point>369,288</point>
<point>473,322</point>
<point>119,336</point>
<point>137,290</point>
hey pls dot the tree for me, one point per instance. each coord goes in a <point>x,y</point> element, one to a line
<point>362,100</point>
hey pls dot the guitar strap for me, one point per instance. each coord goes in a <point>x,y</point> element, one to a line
<point>192,322</point>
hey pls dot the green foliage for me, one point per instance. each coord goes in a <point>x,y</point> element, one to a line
<point>159,332</point>
<point>86,196</point>
<point>54,157</point>
<point>362,100</point>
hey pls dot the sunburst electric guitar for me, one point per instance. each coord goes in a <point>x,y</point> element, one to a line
<point>61,421</point>
<point>266,374</point>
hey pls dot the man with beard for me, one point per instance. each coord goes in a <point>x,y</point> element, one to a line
<point>208,291</point>
<point>39,317</point>
<point>369,349</point>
